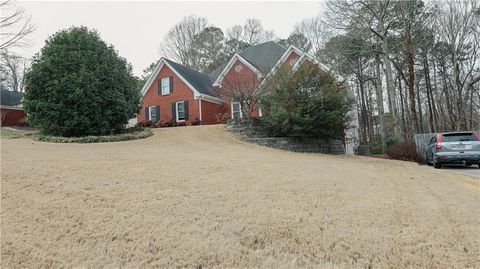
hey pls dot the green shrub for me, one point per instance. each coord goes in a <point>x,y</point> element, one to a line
<point>79,86</point>
<point>307,102</point>
<point>376,148</point>
<point>128,134</point>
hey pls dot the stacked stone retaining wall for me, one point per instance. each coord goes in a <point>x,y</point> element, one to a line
<point>252,131</point>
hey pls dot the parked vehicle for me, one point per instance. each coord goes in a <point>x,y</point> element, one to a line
<point>454,148</point>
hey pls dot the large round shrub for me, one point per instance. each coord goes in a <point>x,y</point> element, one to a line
<point>78,85</point>
<point>307,102</point>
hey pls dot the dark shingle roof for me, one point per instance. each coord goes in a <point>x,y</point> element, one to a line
<point>10,98</point>
<point>215,73</point>
<point>264,56</point>
<point>201,82</point>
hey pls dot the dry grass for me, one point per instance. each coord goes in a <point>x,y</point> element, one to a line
<point>195,196</point>
<point>15,132</point>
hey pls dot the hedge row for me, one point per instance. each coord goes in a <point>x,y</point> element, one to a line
<point>129,134</point>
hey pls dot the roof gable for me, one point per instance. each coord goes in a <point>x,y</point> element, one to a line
<point>229,65</point>
<point>261,57</point>
<point>264,56</point>
<point>200,84</point>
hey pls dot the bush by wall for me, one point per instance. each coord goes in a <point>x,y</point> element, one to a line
<point>403,150</point>
<point>306,103</point>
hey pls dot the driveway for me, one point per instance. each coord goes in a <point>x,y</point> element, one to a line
<point>473,171</point>
<point>196,197</point>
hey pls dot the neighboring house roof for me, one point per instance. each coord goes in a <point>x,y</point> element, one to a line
<point>11,98</point>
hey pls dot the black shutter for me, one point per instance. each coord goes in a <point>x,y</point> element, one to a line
<point>146,113</point>
<point>158,114</point>
<point>159,87</point>
<point>174,111</point>
<point>186,109</point>
<point>171,84</point>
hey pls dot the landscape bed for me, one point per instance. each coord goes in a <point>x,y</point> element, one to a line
<point>197,197</point>
<point>129,134</point>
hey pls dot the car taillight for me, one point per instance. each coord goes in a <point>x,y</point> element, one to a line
<point>477,136</point>
<point>439,142</point>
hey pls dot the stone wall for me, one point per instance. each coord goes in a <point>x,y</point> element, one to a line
<point>252,131</point>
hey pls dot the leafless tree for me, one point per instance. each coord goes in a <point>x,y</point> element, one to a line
<point>252,32</point>
<point>178,43</point>
<point>424,54</point>
<point>244,89</point>
<point>15,25</point>
<point>13,68</point>
<point>317,33</point>
<point>458,28</point>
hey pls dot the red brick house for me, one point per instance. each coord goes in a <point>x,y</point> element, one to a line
<point>11,108</point>
<point>177,93</point>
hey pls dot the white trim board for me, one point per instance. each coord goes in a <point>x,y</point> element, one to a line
<point>322,66</point>
<point>227,68</point>
<point>282,59</point>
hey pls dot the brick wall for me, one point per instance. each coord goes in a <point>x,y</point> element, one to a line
<point>181,92</point>
<point>243,78</point>
<point>12,117</point>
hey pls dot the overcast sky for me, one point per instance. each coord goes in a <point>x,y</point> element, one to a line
<point>136,29</point>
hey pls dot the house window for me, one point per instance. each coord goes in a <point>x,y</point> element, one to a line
<point>180,111</point>
<point>166,89</point>
<point>238,68</point>
<point>236,110</point>
<point>152,113</point>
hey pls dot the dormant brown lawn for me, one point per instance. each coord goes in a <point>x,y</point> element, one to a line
<point>197,197</point>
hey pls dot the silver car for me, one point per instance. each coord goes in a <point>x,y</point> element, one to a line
<point>454,148</point>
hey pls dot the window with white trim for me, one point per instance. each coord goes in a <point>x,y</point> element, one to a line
<point>166,86</point>
<point>236,110</point>
<point>180,111</point>
<point>152,113</point>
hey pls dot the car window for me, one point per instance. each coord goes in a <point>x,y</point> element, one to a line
<point>459,137</point>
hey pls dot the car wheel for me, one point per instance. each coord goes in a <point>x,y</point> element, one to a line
<point>426,159</point>
<point>436,165</point>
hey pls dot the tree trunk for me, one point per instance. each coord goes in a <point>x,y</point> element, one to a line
<point>392,104</point>
<point>411,80</point>
<point>380,102</point>
<point>420,110</point>
<point>402,109</point>
<point>428,87</point>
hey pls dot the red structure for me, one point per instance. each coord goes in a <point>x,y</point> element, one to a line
<point>11,110</point>
<point>12,116</point>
